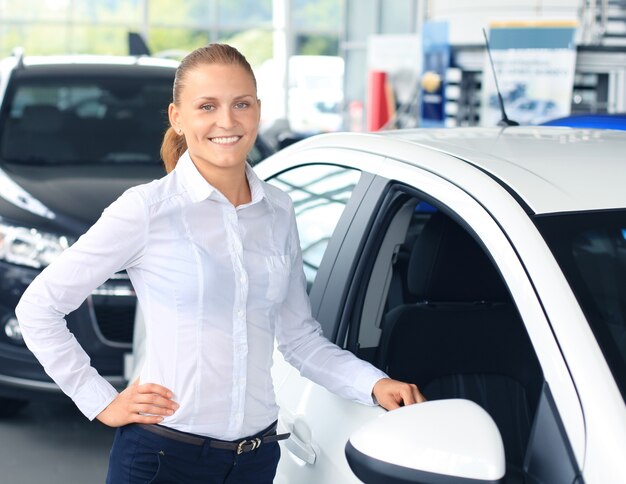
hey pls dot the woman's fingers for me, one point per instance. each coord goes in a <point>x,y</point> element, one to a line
<point>152,409</point>
<point>392,394</point>
<point>146,419</point>
<point>152,399</point>
<point>136,400</point>
<point>155,400</point>
<point>153,388</point>
<point>419,398</point>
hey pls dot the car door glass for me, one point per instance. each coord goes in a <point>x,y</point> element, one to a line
<point>320,193</point>
<point>590,247</point>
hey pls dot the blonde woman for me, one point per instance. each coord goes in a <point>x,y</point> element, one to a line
<point>214,257</point>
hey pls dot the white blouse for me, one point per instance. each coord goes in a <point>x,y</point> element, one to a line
<point>216,284</point>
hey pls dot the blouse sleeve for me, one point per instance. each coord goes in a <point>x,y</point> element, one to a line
<point>114,243</point>
<point>303,345</point>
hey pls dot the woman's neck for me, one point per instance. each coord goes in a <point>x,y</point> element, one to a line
<point>230,182</point>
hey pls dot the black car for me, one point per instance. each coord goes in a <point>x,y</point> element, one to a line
<point>75,132</point>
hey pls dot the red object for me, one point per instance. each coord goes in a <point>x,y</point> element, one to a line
<point>377,105</point>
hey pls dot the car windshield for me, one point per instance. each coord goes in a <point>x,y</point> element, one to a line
<point>86,120</point>
<point>591,249</point>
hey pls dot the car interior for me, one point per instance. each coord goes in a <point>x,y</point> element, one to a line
<point>449,325</point>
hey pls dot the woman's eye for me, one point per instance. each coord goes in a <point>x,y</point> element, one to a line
<point>241,105</point>
<point>207,107</point>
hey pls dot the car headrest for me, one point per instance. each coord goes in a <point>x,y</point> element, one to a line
<point>448,265</point>
<point>42,118</point>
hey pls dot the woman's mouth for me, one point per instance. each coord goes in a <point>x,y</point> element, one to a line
<point>225,140</point>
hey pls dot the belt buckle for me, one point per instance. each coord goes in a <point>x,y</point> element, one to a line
<point>255,444</point>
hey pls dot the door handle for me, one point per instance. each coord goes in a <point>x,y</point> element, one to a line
<point>299,444</point>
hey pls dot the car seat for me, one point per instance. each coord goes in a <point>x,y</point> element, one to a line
<point>464,337</point>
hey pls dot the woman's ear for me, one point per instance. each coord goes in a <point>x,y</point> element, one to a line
<point>174,117</point>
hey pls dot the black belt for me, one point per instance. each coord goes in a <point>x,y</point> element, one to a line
<point>245,445</point>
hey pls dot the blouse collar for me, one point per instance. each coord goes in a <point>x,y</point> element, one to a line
<point>200,189</point>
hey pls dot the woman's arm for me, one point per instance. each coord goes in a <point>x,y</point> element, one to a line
<point>302,343</point>
<point>115,242</point>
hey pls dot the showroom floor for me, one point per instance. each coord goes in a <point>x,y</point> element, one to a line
<point>53,443</point>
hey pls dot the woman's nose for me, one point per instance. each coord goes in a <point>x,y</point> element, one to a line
<point>226,119</point>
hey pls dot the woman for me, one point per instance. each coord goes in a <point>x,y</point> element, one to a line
<point>214,257</point>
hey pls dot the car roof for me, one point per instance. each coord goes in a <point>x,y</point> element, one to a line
<point>550,169</point>
<point>71,64</point>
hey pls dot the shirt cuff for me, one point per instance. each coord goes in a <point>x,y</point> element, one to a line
<point>365,384</point>
<point>94,397</point>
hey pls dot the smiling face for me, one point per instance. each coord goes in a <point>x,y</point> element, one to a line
<point>218,113</point>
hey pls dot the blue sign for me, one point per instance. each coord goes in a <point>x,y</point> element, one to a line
<point>436,49</point>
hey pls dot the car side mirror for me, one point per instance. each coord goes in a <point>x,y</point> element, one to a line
<point>451,441</point>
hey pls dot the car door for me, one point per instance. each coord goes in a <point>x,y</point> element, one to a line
<point>477,332</point>
<point>359,291</point>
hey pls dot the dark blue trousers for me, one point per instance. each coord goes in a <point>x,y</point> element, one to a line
<point>140,456</point>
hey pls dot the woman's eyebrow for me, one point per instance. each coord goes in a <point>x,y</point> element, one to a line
<point>212,98</point>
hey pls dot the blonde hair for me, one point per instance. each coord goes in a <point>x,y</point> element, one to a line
<point>174,145</point>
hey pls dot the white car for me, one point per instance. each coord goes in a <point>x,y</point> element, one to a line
<point>488,266</point>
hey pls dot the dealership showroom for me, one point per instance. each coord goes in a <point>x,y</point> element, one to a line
<point>313,241</point>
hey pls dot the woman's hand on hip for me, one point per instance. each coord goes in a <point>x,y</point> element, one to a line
<point>131,405</point>
<point>391,394</point>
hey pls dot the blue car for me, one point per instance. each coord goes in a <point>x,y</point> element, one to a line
<point>592,120</point>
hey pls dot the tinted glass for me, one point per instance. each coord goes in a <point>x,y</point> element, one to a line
<point>591,249</point>
<point>115,120</point>
<point>320,194</point>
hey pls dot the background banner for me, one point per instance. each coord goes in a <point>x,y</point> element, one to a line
<point>535,63</point>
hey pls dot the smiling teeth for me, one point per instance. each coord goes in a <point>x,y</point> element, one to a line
<point>224,141</point>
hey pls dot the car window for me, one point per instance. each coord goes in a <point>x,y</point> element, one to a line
<point>320,194</point>
<point>436,312</point>
<point>590,247</point>
<point>85,120</point>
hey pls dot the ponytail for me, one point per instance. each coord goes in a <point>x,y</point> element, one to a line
<point>172,148</point>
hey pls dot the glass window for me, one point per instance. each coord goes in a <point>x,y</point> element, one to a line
<point>85,119</point>
<point>178,41</point>
<point>396,17</point>
<point>319,15</point>
<point>162,14</point>
<point>121,11</point>
<point>317,44</point>
<point>255,43</point>
<point>591,250</point>
<point>90,39</point>
<point>320,194</point>
<point>35,10</point>
<point>35,39</point>
<point>244,13</point>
